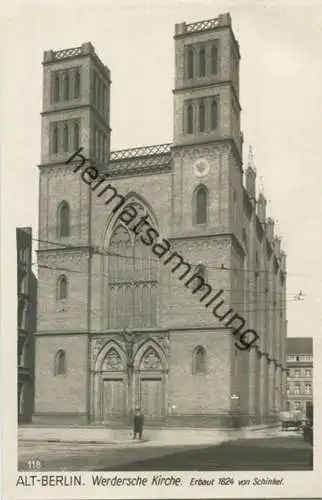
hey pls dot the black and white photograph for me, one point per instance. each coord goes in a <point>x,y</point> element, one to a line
<point>161,260</point>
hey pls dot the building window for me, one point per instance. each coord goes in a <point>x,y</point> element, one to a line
<point>65,138</point>
<point>214,115</point>
<point>297,372</point>
<point>308,373</point>
<point>63,221</point>
<point>60,363</point>
<point>308,388</point>
<point>190,63</point>
<point>201,205</point>
<point>76,136</point>
<point>214,59</point>
<point>54,143</point>
<point>235,206</point>
<point>297,358</point>
<point>66,86</point>
<point>62,285</point>
<point>202,62</point>
<point>297,405</point>
<point>202,117</point>
<point>199,360</point>
<point>190,119</point>
<point>297,388</point>
<point>55,88</point>
<point>288,389</point>
<point>77,85</point>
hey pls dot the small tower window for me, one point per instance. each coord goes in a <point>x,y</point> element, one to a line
<point>202,62</point>
<point>66,86</point>
<point>190,68</point>
<point>214,114</point>
<point>62,285</point>
<point>77,85</point>
<point>76,136</point>
<point>63,221</point>
<point>199,360</point>
<point>55,88</point>
<point>94,88</point>
<point>54,147</point>
<point>65,138</point>
<point>60,363</point>
<point>202,117</point>
<point>214,59</point>
<point>190,119</point>
<point>201,205</point>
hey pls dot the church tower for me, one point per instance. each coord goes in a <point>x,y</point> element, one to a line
<point>76,109</point>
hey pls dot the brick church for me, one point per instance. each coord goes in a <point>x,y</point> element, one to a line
<point>116,328</point>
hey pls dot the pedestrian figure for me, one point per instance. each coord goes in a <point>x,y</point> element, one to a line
<point>138,421</point>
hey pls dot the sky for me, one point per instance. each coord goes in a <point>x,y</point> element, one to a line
<point>280,93</point>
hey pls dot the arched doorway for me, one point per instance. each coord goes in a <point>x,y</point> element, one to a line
<point>110,383</point>
<point>151,374</point>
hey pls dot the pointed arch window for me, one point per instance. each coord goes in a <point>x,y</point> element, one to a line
<point>77,85</point>
<point>190,68</point>
<point>63,222</point>
<point>62,288</point>
<point>199,360</point>
<point>190,119</point>
<point>60,363</point>
<point>202,62</point>
<point>214,114</point>
<point>201,205</point>
<point>54,145</point>
<point>66,86</point>
<point>202,117</point>
<point>65,138</point>
<point>76,136</point>
<point>214,59</point>
<point>55,88</point>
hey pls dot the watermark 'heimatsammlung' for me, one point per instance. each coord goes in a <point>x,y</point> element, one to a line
<point>161,247</point>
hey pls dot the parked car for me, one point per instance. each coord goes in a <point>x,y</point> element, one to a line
<point>291,420</point>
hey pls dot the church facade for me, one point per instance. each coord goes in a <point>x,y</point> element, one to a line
<point>117,328</point>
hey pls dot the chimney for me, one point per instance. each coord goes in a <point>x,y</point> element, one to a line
<point>251,176</point>
<point>270,229</point>
<point>261,208</point>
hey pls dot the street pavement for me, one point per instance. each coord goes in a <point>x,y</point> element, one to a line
<point>269,449</point>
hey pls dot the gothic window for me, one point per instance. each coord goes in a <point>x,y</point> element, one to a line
<point>104,99</point>
<point>55,88</point>
<point>214,59</point>
<point>63,219</point>
<point>132,278</point>
<point>62,288</point>
<point>77,85</point>
<point>60,363</point>
<point>76,136</point>
<point>235,206</point>
<point>199,360</point>
<point>65,138</point>
<point>66,86</point>
<point>190,63</point>
<point>190,119</point>
<point>94,88</point>
<point>202,62</point>
<point>202,116</point>
<point>54,144</point>
<point>214,115</point>
<point>201,202</point>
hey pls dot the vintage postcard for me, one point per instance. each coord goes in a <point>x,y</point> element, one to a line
<point>161,263</point>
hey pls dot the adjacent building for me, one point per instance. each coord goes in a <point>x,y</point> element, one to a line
<point>26,323</point>
<point>117,328</point>
<point>300,373</point>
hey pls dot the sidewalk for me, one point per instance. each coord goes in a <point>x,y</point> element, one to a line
<point>178,436</point>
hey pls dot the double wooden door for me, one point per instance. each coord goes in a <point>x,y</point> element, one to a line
<point>152,397</point>
<point>113,398</point>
